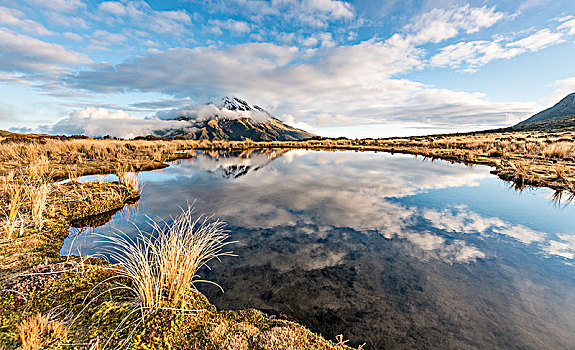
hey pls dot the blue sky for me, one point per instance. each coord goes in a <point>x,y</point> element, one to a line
<point>352,68</point>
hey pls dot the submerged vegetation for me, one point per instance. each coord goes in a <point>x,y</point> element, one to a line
<point>148,300</point>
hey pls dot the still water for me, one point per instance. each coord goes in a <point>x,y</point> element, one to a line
<point>388,250</point>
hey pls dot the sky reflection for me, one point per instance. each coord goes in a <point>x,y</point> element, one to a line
<point>387,249</point>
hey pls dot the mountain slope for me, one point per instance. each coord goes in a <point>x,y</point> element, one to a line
<point>563,108</point>
<point>234,119</point>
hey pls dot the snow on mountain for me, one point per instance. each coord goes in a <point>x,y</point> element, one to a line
<point>228,108</point>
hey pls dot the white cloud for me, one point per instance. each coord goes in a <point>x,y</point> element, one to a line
<point>101,39</point>
<point>94,121</point>
<point>470,55</point>
<point>352,80</point>
<point>113,7</point>
<point>25,54</point>
<point>441,24</point>
<point>569,26</point>
<point>292,121</point>
<point>305,13</point>
<point>538,41</point>
<point>73,37</point>
<point>231,25</point>
<point>15,18</point>
<point>473,54</point>
<point>562,88</point>
<point>67,6</point>
<point>139,14</point>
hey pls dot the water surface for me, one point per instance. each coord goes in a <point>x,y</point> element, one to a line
<point>388,250</point>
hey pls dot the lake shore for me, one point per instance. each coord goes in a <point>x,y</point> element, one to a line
<point>37,280</point>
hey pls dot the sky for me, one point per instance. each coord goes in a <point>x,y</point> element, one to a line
<point>372,68</point>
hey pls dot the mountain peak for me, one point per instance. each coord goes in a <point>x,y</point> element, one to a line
<point>232,118</point>
<point>236,104</point>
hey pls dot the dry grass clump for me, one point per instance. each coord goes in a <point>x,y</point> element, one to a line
<point>13,223</point>
<point>128,178</point>
<point>38,196</point>
<point>38,169</point>
<point>163,264</point>
<point>22,204</point>
<point>559,150</point>
<point>131,180</point>
<point>39,331</point>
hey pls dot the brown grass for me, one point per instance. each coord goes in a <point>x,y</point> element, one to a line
<point>163,264</point>
<point>40,331</point>
<point>37,196</point>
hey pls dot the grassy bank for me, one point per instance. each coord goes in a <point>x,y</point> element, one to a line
<point>49,299</point>
<point>528,158</point>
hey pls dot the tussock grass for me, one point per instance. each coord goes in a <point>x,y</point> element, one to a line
<point>559,150</point>
<point>38,169</point>
<point>163,264</point>
<point>128,178</point>
<point>13,223</point>
<point>38,196</point>
<point>39,331</point>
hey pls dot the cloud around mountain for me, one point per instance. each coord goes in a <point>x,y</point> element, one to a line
<point>97,122</point>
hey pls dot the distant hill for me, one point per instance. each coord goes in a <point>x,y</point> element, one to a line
<point>564,108</point>
<point>234,119</point>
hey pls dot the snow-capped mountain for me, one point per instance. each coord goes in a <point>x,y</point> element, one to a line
<point>233,119</point>
<point>236,104</point>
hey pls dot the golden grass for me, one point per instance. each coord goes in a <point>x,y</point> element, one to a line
<point>39,331</point>
<point>559,150</point>
<point>38,196</point>
<point>163,264</point>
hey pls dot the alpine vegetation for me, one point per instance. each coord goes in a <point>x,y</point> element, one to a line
<point>163,264</point>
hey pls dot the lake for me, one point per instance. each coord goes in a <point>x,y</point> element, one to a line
<point>394,251</point>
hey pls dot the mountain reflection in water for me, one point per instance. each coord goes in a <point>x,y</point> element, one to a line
<point>385,249</point>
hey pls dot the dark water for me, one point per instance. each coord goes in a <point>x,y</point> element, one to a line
<point>387,250</point>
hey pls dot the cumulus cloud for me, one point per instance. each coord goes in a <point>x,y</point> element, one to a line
<point>293,121</point>
<point>16,18</point>
<point>362,80</point>
<point>96,122</point>
<point>21,53</point>
<point>202,113</point>
<point>353,80</point>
